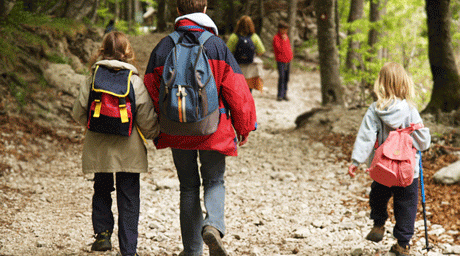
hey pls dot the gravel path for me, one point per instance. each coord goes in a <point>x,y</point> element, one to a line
<point>287,194</point>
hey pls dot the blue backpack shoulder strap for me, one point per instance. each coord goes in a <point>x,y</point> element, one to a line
<point>175,36</point>
<point>204,37</point>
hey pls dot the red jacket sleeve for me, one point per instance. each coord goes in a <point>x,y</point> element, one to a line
<point>236,93</point>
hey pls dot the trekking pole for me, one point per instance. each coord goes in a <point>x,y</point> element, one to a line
<point>422,188</point>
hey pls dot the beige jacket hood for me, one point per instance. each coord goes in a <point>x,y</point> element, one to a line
<point>115,153</point>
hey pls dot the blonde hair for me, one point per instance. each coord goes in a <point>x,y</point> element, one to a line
<point>115,46</point>
<point>393,83</point>
<point>245,26</point>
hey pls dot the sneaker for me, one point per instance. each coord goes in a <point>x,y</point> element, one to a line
<point>400,251</point>
<point>211,236</point>
<point>119,254</point>
<point>286,98</point>
<point>102,242</point>
<point>279,99</point>
<point>376,234</point>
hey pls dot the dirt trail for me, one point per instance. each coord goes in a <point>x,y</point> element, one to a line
<point>287,193</point>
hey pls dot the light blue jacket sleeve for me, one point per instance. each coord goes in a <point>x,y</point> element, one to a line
<point>422,137</point>
<point>367,135</point>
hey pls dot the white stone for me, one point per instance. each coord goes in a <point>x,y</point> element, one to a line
<point>449,174</point>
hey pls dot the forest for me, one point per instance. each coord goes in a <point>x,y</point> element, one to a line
<point>350,40</point>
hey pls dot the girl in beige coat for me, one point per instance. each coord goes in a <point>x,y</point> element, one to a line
<point>105,154</point>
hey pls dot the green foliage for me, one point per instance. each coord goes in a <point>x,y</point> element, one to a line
<point>19,89</point>
<point>309,44</point>
<point>58,26</point>
<point>270,63</point>
<point>124,27</point>
<point>57,58</point>
<point>151,2</point>
<point>402,39</point>
<point>24,33</point>
<point>9,53</point>
<point>455,24</point>
<point>105,14</point>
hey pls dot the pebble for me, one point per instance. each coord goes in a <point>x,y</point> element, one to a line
<point>283,197</point>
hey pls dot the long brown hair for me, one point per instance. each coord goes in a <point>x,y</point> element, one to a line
<point>191,6</point>
<point>245,26</point>
<point>115,46</point>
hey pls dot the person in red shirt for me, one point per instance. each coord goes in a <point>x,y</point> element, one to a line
<point>283,56</point>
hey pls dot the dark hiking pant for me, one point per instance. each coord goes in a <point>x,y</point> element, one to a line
<point>283,78</point>
<point>405,200</point>
<point>128,203</point>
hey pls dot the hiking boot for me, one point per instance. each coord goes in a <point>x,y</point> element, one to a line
<point>211,236</point>
<point>376,234</point>
<point>400,251</point>
<point>182,253</point>
<point>119,254</point>
<point>102,242</point>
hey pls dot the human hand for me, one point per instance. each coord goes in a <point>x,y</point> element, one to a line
<point>242,140</point>
<point>352,170</point>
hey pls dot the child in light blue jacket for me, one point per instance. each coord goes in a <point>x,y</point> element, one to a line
<point>392,110</point>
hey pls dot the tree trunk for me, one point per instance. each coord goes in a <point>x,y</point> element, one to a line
<point>230,18</point>
<point>331,88</point>
<point>161,19</point>
<point>356,13</point>
<point>337,23</point>
<point>5,8</point>
<point>377,9</point>
<point>374,16</point>
<point>137,12</point>
<point>117,10</point>
<point>446,81</point>
<point>292,20</point>
<point>260,20</point>
<point>129,13</point>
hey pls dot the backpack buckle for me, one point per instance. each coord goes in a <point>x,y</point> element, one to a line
<point>123,110</point>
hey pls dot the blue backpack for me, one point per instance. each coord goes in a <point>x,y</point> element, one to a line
<point>245,50</point>
<point>189,103</point>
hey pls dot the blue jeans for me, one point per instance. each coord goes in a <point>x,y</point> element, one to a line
<point>405,200</point>
<point>283,79</point>
<point>191,216</point>
<point>128,200</point>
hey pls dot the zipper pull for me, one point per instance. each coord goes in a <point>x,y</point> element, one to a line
<point>181,91</point>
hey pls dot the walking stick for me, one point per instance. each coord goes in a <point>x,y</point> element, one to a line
<point>422,188</point>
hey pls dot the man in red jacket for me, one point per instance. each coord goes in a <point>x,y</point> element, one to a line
<point>283,56</point>
<point>238,115</point>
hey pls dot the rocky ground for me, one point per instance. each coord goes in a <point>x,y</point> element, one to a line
<point>287,191</point>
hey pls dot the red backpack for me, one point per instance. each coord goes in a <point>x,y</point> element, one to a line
<point>394,160</point>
